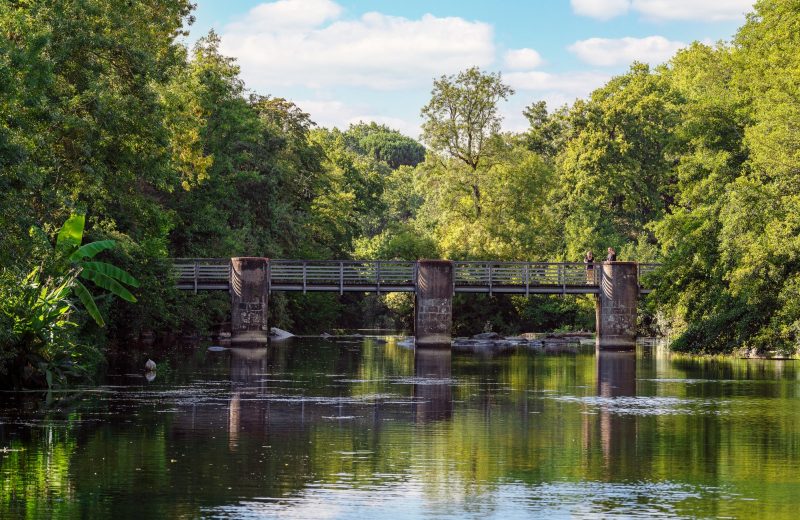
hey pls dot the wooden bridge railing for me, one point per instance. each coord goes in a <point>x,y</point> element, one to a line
<point>392,276</point>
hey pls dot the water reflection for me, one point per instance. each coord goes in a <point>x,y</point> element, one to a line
<point>616,374</point>
<point>356,428</point>
<point>616,378</point>
<point>246,411</point>
<point>433,394</point>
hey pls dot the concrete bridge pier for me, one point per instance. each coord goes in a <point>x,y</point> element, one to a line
<point>249,286</point>
<point>615,307</point>
<point>433,303</point>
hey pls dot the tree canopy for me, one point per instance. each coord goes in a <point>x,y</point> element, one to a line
<point>694,164</point>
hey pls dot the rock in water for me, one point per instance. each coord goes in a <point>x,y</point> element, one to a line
<point>150,366</point>
<point>487,335</point>
<point>277,333</point>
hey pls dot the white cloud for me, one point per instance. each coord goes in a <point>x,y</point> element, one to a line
<point>570,82</point>
<point>600,9</point>
<point>290,14</point>
<point>659,10</point>
<point>330,113</point>
<point>706,10</point>
<point>304,43</point>
<point>520,59</point>
<point>557,89</point>
<point>607,52</point>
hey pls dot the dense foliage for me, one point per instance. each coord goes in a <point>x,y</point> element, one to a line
<point>695,163</point>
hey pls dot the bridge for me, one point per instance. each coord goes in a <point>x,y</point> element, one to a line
<point>251,280</point>
<point>382,276</point>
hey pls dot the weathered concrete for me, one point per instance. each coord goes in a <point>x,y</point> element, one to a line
<point>615,309</point>
<point>433,303</point>
<point>249,299</point>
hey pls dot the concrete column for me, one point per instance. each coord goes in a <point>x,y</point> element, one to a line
<point>615,309</point>
<point>249,299</point>
<point>433,303</point>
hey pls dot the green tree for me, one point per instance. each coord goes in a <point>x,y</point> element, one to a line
<point>615,168</point>
<point>461,118</point>
<point>384,144</point>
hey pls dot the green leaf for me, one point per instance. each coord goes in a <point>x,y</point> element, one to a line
<point>111,271</point>
<point>91,249</point>
<point>109,284</point>
<point>88,302</point>
<point>32,275</point>
<point>71,233</point>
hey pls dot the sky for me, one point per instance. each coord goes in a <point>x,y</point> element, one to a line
<point>345,61</point>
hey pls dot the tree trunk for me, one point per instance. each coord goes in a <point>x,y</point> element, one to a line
<point>476,194</point>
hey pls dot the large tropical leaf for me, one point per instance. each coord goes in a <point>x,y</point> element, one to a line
<point>108,283</point>
<point>71,233</point>
<point>91,249</point>
<point>111,271</point>
<point>88,302</point>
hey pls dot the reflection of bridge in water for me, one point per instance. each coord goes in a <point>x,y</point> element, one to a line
<point>616,380</point>
<point>250,281</point>
<point>274,426</point>
<point>261,404</point>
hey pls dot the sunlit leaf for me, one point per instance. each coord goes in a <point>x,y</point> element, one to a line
<point>71,233</point>
<point>91,249</point>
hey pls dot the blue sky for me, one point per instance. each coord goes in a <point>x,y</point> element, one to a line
<point>349,60</point>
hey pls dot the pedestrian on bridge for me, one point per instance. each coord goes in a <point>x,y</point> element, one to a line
<point>612,255</point>
<point>588,259</point>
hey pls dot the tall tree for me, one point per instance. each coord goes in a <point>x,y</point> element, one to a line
<point>462,117</point>
<point>615,168</point>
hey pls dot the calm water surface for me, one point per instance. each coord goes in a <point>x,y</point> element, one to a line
<point>363,428</point>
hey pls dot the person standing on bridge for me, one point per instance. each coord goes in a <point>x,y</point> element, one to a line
<point>589,261</point>
<point>612,255</point>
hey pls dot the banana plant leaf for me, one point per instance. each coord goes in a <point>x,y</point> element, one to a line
<point>108,283</point>
<point>88,302</point>
<point>91,249</point>
<point>71,233</point>
<point>111,271</point>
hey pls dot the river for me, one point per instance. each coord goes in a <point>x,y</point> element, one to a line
<point>364,428</point>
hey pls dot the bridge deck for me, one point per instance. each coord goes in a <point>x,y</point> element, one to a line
<point>399,276</point>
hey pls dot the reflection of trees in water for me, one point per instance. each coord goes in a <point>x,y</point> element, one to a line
<point>280,422</point>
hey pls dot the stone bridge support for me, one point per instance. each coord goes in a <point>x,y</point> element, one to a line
<point>615,307</point>
<point>249,286</point>
<point>433,303</point>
